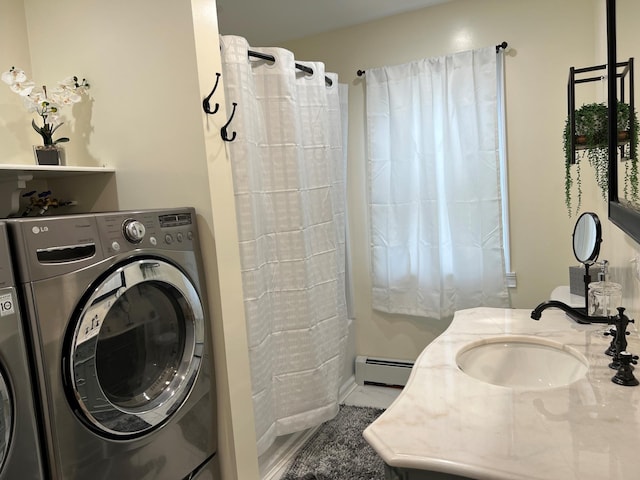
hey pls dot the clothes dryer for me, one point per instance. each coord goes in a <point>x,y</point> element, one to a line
<point>122,342</point>
<point>20,443</point>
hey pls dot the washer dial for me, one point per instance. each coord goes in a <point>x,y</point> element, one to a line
<point>133,230</point>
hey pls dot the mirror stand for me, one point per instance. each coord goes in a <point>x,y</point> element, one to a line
<point>587,280</point>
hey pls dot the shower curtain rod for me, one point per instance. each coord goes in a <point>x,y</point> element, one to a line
<point>502,45</point>
<point>304,68</point>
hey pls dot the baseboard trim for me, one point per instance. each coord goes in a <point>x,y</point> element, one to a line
<point>286,453</point>
<point>346,388</point>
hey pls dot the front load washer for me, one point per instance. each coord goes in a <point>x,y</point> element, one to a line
<point>20,441</point>
<point>121,341</point>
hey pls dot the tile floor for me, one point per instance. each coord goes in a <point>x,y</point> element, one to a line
<point>274,462</point>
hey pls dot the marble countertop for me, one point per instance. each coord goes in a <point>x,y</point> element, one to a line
<point>446,421</point>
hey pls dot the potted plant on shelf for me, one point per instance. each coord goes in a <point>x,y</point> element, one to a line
<point>592,142</point>
<point>47,104</point>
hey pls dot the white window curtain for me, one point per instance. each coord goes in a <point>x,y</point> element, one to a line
<point>434,185</point>
<point>287,167</point>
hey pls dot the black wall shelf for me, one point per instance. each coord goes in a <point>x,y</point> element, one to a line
<point>624,74</point>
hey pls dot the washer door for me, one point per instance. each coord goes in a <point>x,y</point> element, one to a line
<point>136,348</point>
<point>6,419</point>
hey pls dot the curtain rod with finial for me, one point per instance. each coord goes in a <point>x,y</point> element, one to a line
<point>502,45</point>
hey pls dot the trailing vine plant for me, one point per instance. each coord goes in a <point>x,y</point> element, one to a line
<point>630,189</point>
<point>591,137</point>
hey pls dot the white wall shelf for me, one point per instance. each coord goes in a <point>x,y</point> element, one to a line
<point>14,178</point>
<point>12,171</point>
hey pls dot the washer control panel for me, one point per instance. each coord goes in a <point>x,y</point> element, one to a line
<point>173,229</point>
<point>55,245</point>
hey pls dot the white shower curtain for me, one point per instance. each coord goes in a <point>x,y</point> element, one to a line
<point>434,179</point>
<point>288,172</point>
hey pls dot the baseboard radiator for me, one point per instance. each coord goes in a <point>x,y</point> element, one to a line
<point>382,371</point>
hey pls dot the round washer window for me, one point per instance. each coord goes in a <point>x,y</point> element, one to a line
<point>6,419</point>
<point>136,348</point>
<point>143,334</point>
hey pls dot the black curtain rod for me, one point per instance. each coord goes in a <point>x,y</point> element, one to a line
<point>502,45</point>
<point>304,68</point>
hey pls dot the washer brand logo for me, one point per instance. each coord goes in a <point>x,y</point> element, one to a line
<point>36,230</point>
<point>6,304</point>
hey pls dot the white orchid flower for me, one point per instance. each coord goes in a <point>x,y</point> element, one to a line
<point>52,119</point>
<point>46,104</point>
<point>65,96</point>
<point>17,81</point>
<point>30,105</point>
<point>72,84</point>
<point>38,95</point>
<point>13,76</point>
<point>22,88</point>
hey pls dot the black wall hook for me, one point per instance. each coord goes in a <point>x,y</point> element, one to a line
<point>205,103</point>
<point>223,130</point>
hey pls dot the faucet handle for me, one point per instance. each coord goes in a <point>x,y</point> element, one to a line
<point>621,320</point>
<point>625,376</point>
<point>611,349</point>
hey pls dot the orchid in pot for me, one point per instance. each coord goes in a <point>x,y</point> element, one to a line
<point>47,104</point>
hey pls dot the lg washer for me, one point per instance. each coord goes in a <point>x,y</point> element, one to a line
<point>20,442</point>
<point>122,343</point>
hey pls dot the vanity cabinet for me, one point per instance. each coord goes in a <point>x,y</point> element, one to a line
<point>395,473</point>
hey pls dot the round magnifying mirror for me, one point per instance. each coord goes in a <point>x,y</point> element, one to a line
<point>587,236</point>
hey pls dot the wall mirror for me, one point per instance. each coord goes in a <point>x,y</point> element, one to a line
<point>622,212</point>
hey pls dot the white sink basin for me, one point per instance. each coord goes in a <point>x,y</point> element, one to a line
<point>522,362</point>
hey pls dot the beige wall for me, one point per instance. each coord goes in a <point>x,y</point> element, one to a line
<point>545,37</point>
<point>235,406</point>
<point>14,137</point>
